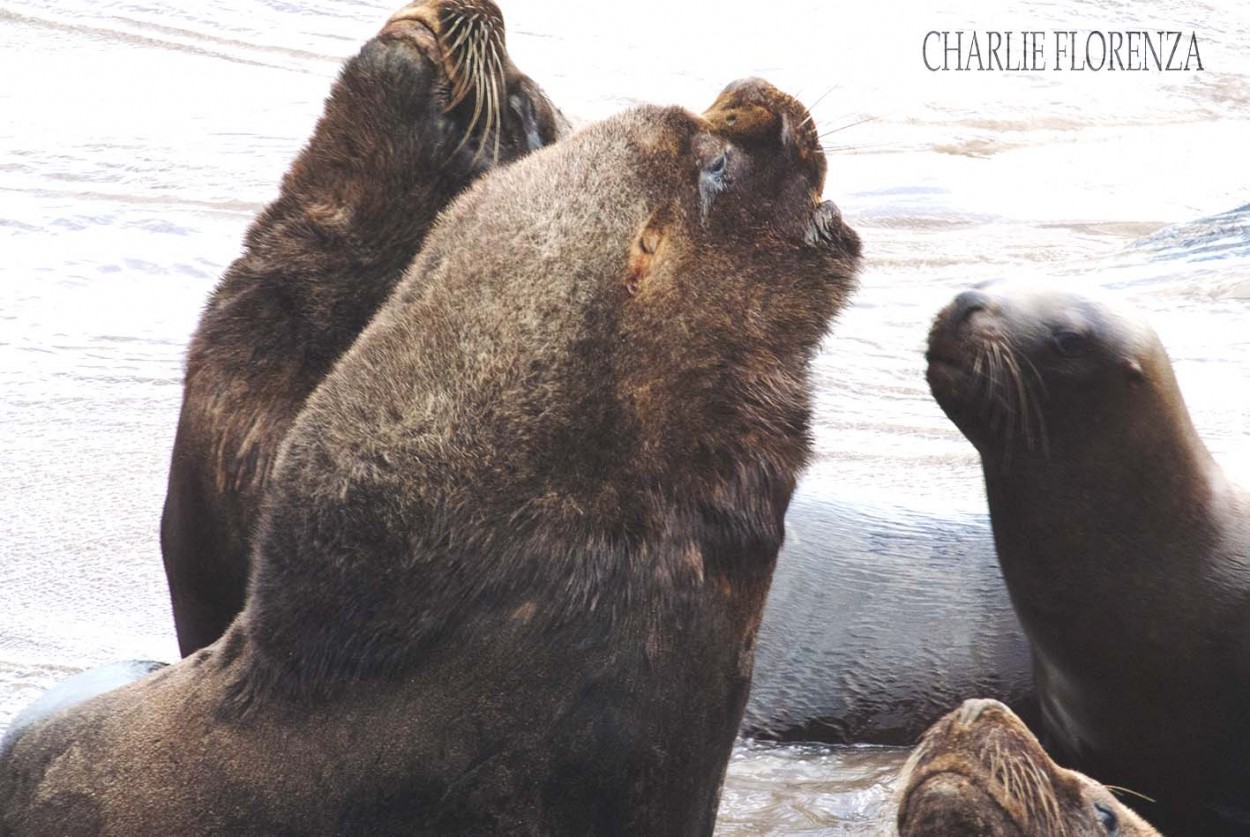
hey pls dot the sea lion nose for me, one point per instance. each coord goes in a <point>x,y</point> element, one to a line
<point>968,303</point>
<point>971,710</point>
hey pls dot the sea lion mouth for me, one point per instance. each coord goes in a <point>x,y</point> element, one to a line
<point>982,380</point>
<point>827,230</point>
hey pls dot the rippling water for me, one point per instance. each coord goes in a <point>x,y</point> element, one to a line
<point>141,139</point>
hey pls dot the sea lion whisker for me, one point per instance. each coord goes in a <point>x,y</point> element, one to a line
<point>1022,394</point>
<point>1035,402</point>
<point>481,84</point>
<point>1130,792</point>
<point>493,75</point>
<point>845,127</point>
<point>984,384</point>
<point>465,22</point>
<point>1037,376</point>
<point>832,149</point>
<point>811,108</point>
<point>1003,399</point>
<point>461,80</point>
<point>479,95</point>
<point>485,81</point>
<point>497,82</point>
<point>992,395</point>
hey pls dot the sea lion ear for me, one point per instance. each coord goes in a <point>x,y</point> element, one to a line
<point>1133,370</point>
<point>647,246</point>
<point>789,137</point>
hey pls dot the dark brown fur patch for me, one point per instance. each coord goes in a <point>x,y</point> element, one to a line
<point>424,109</point>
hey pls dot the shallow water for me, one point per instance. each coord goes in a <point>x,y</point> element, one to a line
<point>141,139</point>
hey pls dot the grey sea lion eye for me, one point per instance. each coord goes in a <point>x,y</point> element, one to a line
<point>713,179</point>
<point>1107,818</point>
<point>716,169</point>
<point>1070,343</point>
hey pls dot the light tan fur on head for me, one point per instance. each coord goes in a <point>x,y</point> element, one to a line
<point>979,772</point>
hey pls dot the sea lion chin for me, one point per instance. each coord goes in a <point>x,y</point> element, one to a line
<point>979,772</point>
<point>516,546</point>
<point>426,107</point>
<point>1124,546</point>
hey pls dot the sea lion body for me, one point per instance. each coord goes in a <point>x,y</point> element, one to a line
<point>1125,547</point>
<point>979,772</point>
<point>880,618</point>
<point>516,547</point>
<point>424,109</point>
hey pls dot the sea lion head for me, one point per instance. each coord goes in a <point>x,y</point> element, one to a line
<point>1024,370</point>
<point>738,265</point>
<point>485,109</point>
<point>979,772</point>
<point>695,253</point>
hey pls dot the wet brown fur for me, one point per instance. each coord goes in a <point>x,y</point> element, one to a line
<point>517,545</point>
<point>979,772</point>
<point>1125,547</point>
<point>424,109</point>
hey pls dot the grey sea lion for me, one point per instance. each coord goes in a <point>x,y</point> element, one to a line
<point>1125,547</point>
<point>880,618</point>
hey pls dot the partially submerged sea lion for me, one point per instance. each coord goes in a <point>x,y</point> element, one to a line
<point>879,619</point>
<point>1125,548</point>
<point>979,772</point>
<point>426,107</point>
<point>516,546</point>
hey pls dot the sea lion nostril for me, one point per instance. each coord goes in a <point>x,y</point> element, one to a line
<point>971,710</point>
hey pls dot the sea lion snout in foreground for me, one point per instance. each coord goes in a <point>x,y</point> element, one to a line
<point>1125,548</point>
<point>979,772</point>
<point>427,106</point>
<point>516,546</point>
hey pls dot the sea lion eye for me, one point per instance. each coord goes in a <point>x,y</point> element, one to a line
<point>713,180</point>
<point>1107,818</point>
<point>1071,344</point>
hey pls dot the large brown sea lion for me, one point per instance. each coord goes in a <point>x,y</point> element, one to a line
<point>516,546</point>
<point>979,772</point>
<point>1125,548</point>
<point>847,650</point>
<point>424,109</point>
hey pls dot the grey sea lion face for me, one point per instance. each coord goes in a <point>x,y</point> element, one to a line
<point>1019,369</point>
